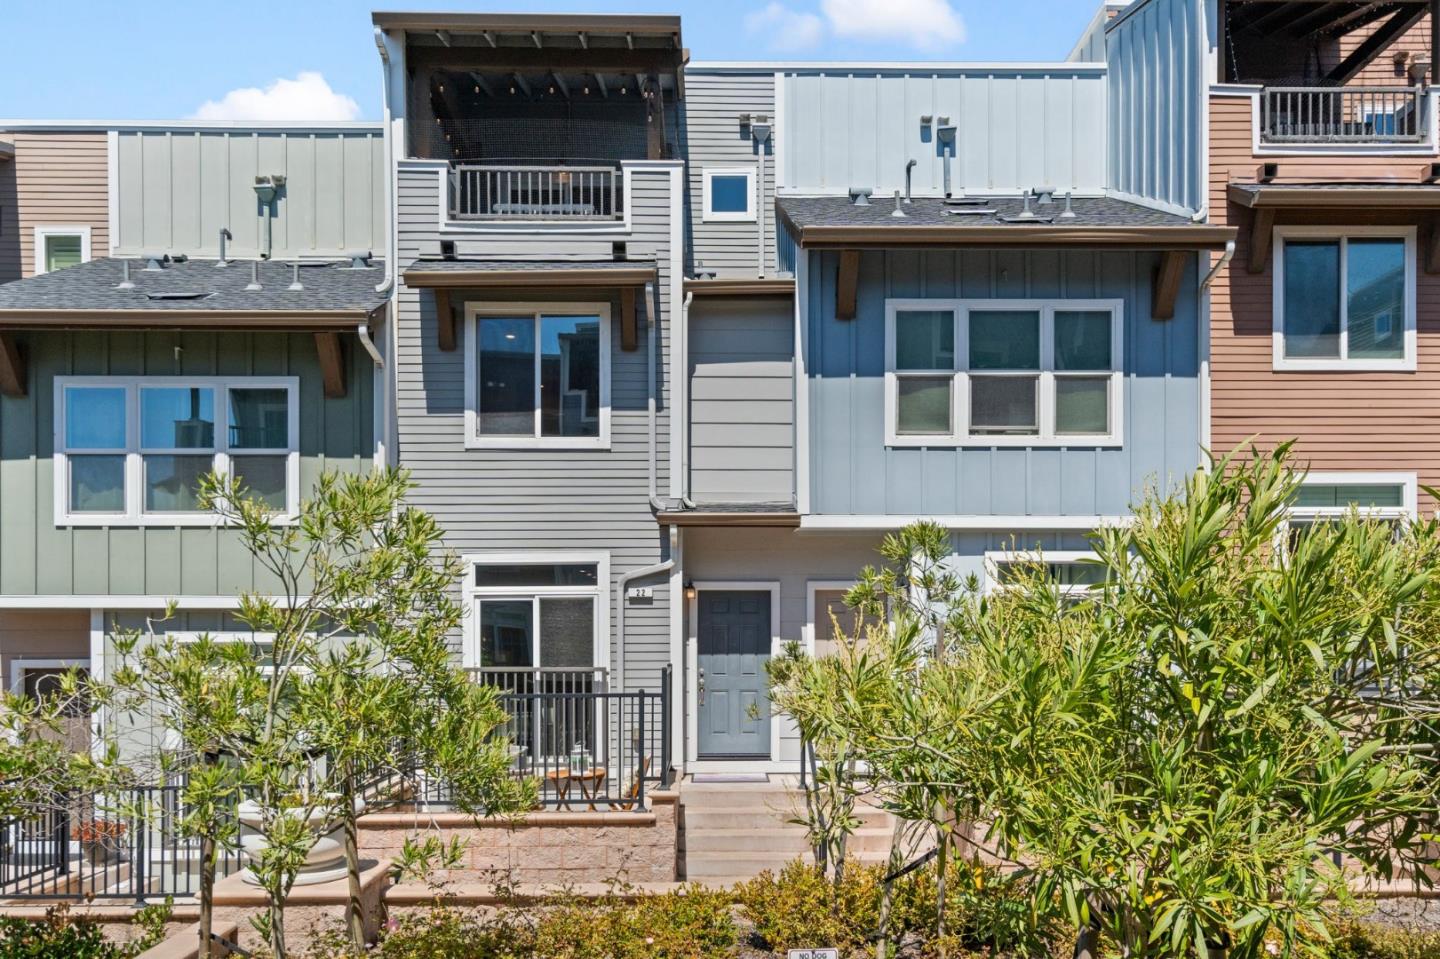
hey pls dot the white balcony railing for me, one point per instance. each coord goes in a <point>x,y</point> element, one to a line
<point>493,192</point>
<point>1343,115</point>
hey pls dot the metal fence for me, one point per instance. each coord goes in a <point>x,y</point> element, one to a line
<point>498,192</point>
<point>121,845</point>
<point>1354,114</point>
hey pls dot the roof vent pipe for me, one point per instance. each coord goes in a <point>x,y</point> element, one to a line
<point>224,235</point>
<point>1068,213</point>
<point>267,188</point>
<point>760,130</point>
<point>254,284</point>
<point>295,285</point>
<point>125,282</point>
<point>909,169</point>
<point>945,136</point>
<point>898,211</point>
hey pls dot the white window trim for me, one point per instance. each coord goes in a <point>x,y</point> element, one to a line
<point>1280,361</point>
<point>994,558</point>
<point>44,232</point>
<point>22,664</point>
<point>710,216</point>
<point>960,384</point>
<point>1408,509</point>
<point>600,592</point>
<point>473,438</point>
<point>809,632</point>
<point>134,513</point>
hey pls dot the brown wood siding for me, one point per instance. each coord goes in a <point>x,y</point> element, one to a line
<point>60,179</point>
<point>1343,421</point>
<point>1381,71</point>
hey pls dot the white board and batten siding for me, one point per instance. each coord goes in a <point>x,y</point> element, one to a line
<point>177,188</point>
<point>533,500</point>
<point>715,137</point>
<point>1155,53</point>
<point>1018,127</point>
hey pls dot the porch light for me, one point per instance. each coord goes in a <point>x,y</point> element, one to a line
<point>689,590</point>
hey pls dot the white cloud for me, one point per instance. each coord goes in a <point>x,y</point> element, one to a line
<point>927,24</point>
<point>306,98</point>
<point>785,29</point>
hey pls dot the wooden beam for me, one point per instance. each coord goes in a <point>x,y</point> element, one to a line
<point>1262,229</point>
<point>444,320</point>
<point>542,61</point>
<point>1389,31</point>
<point>847,284</point>
<point>12,366</point>
<point>654,118</point>
<point>332,363</point>
<point>1166,288</point>
<point>629,323</point>
<point>1432,247</point>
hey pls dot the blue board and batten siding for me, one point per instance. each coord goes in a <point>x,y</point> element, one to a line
<point>1017,128</point>
<point>853,472</point>
<point>1156,138</point>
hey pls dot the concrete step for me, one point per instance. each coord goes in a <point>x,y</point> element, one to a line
<point>791,842</point>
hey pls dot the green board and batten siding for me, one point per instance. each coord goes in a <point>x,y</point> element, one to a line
<point>37,558</point>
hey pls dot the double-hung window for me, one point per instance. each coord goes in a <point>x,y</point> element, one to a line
<point>1074,573</point>
<point>1004,372</point>
<point>538,375</point>
<point>1344,298</point>
<point>132,450</point>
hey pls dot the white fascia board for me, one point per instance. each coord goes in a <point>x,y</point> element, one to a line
<point>277,126</point>
<point>1059,67</point>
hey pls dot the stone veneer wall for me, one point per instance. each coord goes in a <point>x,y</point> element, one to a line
<point>543,848</point>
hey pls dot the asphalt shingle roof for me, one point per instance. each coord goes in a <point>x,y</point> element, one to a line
<point>199,285</point>
<point>828,211</point>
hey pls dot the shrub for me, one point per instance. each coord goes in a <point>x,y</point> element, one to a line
<point>798,908</point>
<point>63,936</point>
<point>1351,939</point>
<point>690,923</point>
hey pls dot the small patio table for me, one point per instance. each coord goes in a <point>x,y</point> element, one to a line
<point>590,782</point>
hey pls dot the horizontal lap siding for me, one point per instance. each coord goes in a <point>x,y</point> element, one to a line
<point>1342,421</point>
<point>60,180</point>
<point>39,558</point>
<point>852,470</point>
<point>742,411</point>
<point>714,137</point>
<point>540,499</point>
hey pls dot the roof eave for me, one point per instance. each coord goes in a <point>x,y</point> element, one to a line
<point>741,286</point>
<point>471,279</point>
<point>1358,196</point>
<point>612,24</point>
<point>1038,236</point>
<point>702,518</point>
<point>18,318</point>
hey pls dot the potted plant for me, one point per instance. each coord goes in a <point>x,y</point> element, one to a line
<point>100,840</point>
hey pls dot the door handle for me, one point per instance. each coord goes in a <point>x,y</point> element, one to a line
<point>701,679</point>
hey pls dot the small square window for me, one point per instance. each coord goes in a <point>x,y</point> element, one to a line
<point>729,194</point>
<point>58,247</point>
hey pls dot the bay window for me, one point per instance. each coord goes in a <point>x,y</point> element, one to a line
<point>1344,298</point>
<point>1003,373</point>
<point>538,376</point>
<point>132,450</point>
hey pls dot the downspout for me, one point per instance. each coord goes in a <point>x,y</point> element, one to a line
<point>386,286</point>
<point>652,344</point>
<point>622,586</point>
<point>363,332</point>
<point>1225,258</point>
<point>682,377</point>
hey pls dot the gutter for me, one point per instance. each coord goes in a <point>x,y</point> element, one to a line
<point>363,332</point>
<point>650,360</point>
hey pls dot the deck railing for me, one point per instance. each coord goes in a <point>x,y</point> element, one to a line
<point>1343,114</point>
<point>496,192</point>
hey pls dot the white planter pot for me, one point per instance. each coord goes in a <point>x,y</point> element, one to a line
<point>325,861</point>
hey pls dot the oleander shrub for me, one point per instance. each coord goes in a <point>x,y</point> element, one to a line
<point>1355,939</point>
<point>61,935</point>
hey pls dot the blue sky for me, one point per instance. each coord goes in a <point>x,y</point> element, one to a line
<point>174,60</point>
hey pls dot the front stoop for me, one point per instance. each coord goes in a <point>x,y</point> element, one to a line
<point>732,832</point>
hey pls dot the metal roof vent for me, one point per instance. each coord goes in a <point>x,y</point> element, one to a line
<point>1044,195</point>
<point>125,282</point>
<point>155,262</point>
<point>295,285</point>
<point>254,284</point>
<point>860,195</point>
<point>359,260</point>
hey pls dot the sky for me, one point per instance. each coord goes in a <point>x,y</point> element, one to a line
<point>316,59</point>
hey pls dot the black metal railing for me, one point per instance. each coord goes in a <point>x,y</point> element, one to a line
<point>585,746</point>
<point>1356,114</point>
<point>533,192</point>
<point>126,844</point>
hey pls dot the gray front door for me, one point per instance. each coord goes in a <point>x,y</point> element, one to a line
<point>734,644</point>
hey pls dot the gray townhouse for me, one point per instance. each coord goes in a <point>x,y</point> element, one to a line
<point>185,297</point>
<point>678,342</point>
<point>667,346</point>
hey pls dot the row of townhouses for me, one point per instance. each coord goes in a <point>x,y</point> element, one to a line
<point>669,346</point>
